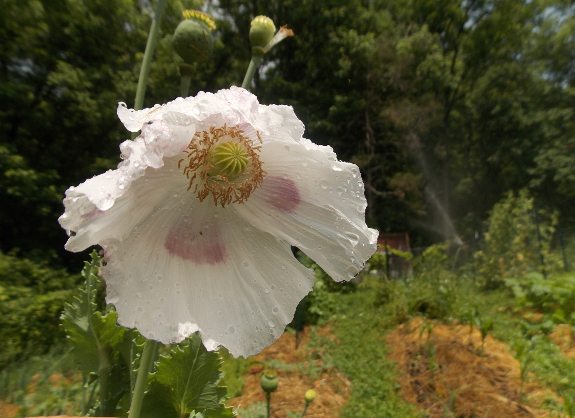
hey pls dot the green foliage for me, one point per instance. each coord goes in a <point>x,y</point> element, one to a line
<point>430,292</point>
<point>36,278</point>
<point>552,295</point>
<point>32,297</point>
<point>433,261</point>
<point>319,305</point>
<point>377,263</point>
<point>255,410</point>
<point>186,381</point>
<point>98,342</point>
<point>234,369</point>
<point>517,240</point>
<point>44,385</point>
<point>523,351</point>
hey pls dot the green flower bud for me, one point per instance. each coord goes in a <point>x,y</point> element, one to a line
<point>193,40</point>
<point>309,395</point>
<point>269,381</point>
<point>262,30</point>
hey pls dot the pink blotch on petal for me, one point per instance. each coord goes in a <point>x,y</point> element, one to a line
<point>281,194</point>
<point>92,213</point>
<point>202,246</point>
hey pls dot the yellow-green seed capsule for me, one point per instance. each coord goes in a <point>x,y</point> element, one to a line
<point>309,395</point>
<point>269,381</point>
<point>262,30</point>
<point>228,159</point>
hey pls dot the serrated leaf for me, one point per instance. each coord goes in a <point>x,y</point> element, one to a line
<point>91,333</point>
<point>187,381</point>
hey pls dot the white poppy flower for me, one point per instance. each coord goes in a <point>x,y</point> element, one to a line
<point>198,220</point>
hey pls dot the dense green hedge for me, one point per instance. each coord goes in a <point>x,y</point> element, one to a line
<point>32,298</point>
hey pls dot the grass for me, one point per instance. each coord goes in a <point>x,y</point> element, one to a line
<point>44,385</point>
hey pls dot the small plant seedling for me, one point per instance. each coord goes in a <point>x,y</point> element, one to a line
<point>431,352</point>
<point>473,318</point>
<point>425,326</point>
<point>568,407</point>
<point>485,327</point>
<point>450,410</point>
<point>523,350</point>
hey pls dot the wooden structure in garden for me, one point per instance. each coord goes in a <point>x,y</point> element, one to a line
<point>398,266</point>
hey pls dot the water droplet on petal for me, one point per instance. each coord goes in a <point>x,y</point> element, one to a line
<point>266,291</point>
<point>275,309</point>
<point>271,324</point>
<point>140,309</point>
<point>354,238</point>
<point>323,184</point>
<point>352,270</point>
<point>232,329</point>
<point>139,295</point>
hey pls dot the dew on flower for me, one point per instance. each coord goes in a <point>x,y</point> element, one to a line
<point>200,202</point>
<point>354,238</point>
<point>352,270</point>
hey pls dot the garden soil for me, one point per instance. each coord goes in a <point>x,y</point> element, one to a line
<point>562,336</point>
<point>331,387</point>
<point>464,383</point>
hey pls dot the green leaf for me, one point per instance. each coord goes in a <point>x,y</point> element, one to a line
<point>186,382</point>
<point>91,333</point>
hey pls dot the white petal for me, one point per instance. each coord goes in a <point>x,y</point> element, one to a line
<point>233,107</point>
<point>209,271</point>
<point>111,204</point>
<point>314,203</point>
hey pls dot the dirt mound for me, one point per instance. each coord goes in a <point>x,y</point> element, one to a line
<point>562,336</point>
<point>463,381</point>
<point>331,387</point>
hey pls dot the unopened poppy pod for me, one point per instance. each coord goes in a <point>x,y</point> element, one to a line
<point>198,220</point>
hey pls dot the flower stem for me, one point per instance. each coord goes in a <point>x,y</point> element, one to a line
<point>148,53</point>
<point>268,399</point>
<point>150,348</point>
<point>256,59</point>
<point>304,409</point>
<point>185,84</point>
<point>186,73</point>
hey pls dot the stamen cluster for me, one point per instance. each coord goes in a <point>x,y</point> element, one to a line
<point>207,174</point>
